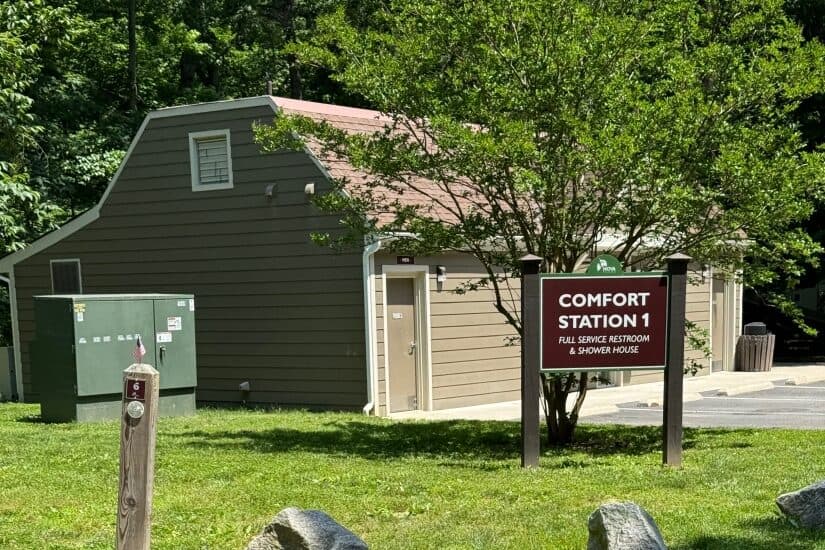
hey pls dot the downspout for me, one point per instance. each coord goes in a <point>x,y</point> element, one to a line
<point>368,264</point>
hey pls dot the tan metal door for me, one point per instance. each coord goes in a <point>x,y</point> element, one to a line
<point>401,344</point>
<point>719,322</point>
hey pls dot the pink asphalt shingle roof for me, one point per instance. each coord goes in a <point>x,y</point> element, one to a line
<point>425,194</point>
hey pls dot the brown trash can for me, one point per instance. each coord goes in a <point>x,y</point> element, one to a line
<point>754,353</point>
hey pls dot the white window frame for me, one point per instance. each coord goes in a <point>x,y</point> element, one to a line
<point>194,137</point>
<point>67,261</point>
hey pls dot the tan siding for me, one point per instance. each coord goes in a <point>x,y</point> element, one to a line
<point>697,309</point>
<point>738,308</point>
<point>481,385</point>
<point>480,399</point>
<point>642,377</point>
<point>379,329</point>
<point>477,320</point>
<point>471,363</point>
<point>271,307</point>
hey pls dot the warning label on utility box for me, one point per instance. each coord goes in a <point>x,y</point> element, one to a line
<point>603,322</point>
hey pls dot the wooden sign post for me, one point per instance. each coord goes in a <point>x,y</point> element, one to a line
<point>675,370</point>
<point>530,380</point>
<point>137,457</point>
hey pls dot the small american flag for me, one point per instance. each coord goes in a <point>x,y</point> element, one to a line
<point>140,351</point>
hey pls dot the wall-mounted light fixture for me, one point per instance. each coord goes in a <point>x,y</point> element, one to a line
<point>269,191</point>
<point>440,273</point>
<point>309,189</point>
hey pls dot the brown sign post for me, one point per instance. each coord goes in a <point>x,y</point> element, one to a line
<point>616,321</point>
<point>530,345</point>
<point>675,371</point>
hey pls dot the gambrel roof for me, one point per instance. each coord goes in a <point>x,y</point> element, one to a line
<point>421,192</point>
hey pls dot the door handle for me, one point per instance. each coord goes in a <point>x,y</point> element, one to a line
<point>412,348</point>
<point>162,353</point>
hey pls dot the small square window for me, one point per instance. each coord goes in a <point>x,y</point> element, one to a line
<point>210,158</point>
<point>66,277</point>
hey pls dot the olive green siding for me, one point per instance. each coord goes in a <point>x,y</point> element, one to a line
<point>272,308</point>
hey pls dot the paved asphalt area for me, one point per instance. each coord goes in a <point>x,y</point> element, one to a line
<point>801,407</point>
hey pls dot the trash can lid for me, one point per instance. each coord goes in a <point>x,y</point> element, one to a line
<point>756,328</point>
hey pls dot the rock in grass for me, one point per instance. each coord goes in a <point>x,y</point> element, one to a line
<point>805,507</point>
<point>296,529</point>
<point>267,540</point>
<point>623,526</point>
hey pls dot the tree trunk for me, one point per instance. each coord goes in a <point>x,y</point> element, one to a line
<point>295,83</point>
<point>561,425</point>
<point>133,90</point>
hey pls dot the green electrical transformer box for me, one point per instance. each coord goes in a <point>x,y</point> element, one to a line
<point>84,342</point>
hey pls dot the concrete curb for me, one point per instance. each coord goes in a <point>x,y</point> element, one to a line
<point>645,402</point>
<point>648,396</point>
<point>598,410</point>
<point>802,379</point>
<point>745,388</point>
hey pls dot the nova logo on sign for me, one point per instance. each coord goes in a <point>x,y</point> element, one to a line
<point>605,264</point>
<point>599,323</point>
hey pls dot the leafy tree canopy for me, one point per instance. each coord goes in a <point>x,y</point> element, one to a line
<point>555,127</point>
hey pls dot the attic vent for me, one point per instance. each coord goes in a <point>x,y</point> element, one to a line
<point>66,277</point>
<point>210,157</point>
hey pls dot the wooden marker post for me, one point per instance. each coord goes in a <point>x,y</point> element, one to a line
<point>137,457</point>
<point>675,369</point>
<point>530,380</point>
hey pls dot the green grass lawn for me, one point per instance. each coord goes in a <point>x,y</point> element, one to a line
<point>222,475</point>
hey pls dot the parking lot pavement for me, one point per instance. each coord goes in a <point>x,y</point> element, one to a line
<point>783,406</point>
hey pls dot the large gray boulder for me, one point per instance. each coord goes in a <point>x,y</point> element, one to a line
<point>623,526</point>
<point>296,529</point>
<point>805,507</point>
<point>267,540</point>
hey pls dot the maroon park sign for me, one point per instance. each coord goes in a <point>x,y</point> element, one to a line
<point>135,390</point>
<point>602,322</point>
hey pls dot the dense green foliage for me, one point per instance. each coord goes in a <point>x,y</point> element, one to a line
<point>811,119</point>
<point>66,108</point>
<point>222,475</point>
<point>555,127</point>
